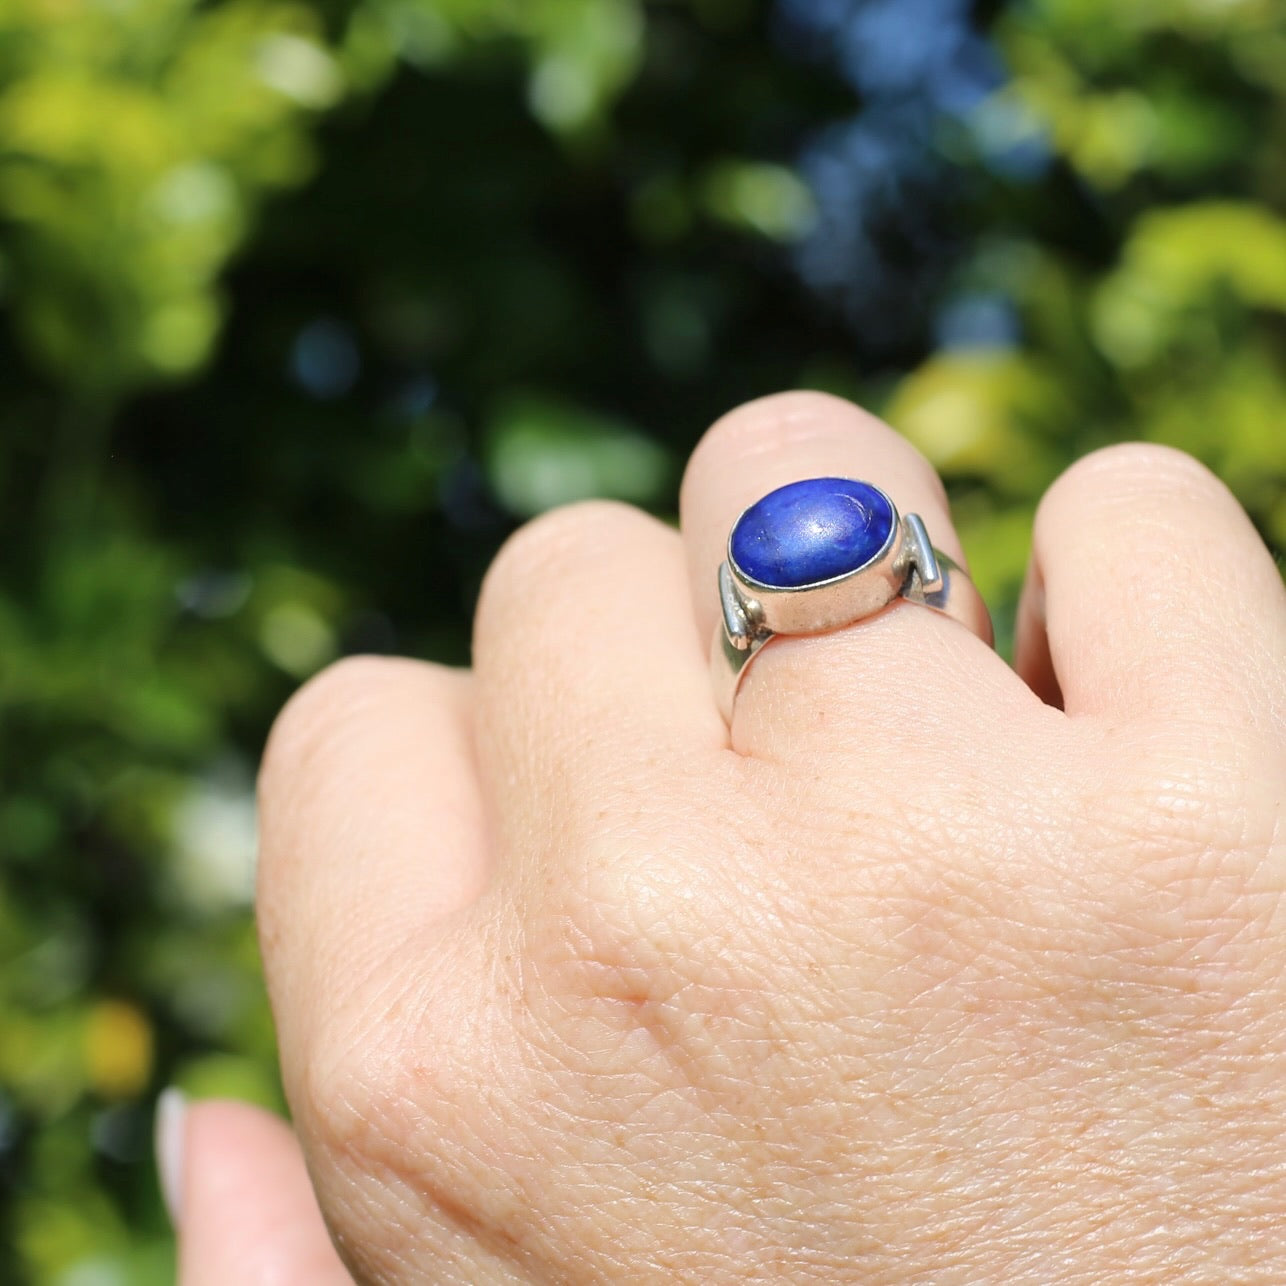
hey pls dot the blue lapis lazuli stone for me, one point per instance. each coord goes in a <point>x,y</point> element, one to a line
<point>811,531</point>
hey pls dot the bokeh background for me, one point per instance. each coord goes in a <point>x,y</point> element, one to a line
<point>307,305</point>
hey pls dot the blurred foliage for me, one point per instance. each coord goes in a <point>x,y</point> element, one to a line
<point>307,304</point>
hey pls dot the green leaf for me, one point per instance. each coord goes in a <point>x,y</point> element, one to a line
<point>543,453</point>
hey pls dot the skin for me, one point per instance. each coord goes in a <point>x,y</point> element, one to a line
<point>929,970</point>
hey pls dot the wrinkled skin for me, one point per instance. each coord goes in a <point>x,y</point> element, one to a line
<point>930,970</point>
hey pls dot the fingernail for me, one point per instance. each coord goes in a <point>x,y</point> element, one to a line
<point>171,1117</point>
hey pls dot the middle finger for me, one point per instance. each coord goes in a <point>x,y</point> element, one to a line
<point>592,688</point>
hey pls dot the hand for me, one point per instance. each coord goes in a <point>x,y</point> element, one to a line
<point>913,977</point>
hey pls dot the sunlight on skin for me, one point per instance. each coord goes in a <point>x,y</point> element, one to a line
<point>952,987</point>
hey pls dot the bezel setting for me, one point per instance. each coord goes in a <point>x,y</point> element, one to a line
<point>906,566</point>
<point>752,607</point>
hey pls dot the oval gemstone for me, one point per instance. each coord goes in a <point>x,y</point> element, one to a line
<point>811,531</point>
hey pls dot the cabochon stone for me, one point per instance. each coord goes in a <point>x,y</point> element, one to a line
<point>811,531</point>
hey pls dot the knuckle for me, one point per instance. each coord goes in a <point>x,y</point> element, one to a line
<point>769,423</point>
<point>357,1109</point>
<point>332,1097</point>
<point>1186,898</point>
<point>777,409</point>
<point>659,957</point>
<point>1133,471</point>
<point>773,426</point>
<point>399,1087</point>
<point>548,545</point>
<point>641,920</point>
<point>368,1070</point>
<point>340,1103</point>
<point>1191,782</point>
<point>324,704</point>
<point>319,727</point>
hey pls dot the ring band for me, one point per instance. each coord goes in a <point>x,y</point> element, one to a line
<point>819,554</point>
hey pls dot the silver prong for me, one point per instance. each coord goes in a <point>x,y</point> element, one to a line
<point>736,619</point>
<point>920,554</point>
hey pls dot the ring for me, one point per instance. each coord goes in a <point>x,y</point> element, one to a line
<point>819,554</point>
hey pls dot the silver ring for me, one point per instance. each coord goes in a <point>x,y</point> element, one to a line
<point>819,554</point>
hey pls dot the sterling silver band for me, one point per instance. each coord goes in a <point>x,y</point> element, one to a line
<point>908,567</point>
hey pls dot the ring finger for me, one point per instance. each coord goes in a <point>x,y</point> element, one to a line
<point>802,688</point>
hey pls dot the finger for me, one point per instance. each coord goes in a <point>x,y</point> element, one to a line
<point>1150,592</point>
<point>896,656</point>
<point>591,676</point>
<point>371,834</point>
<point>246,1211</point>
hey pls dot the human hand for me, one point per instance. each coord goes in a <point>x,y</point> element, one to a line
<point>914,976</point>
